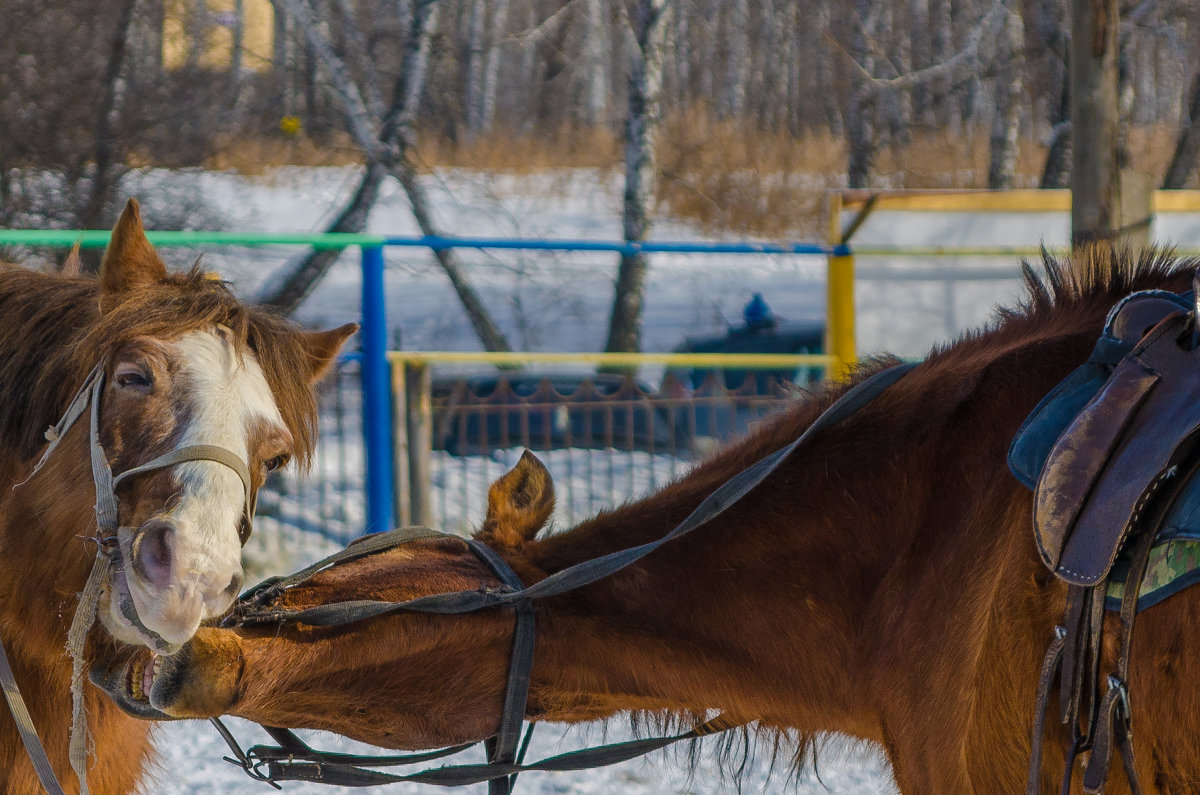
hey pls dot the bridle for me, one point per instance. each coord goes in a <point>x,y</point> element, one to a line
<point>293,760</point>
<point>107,553</point>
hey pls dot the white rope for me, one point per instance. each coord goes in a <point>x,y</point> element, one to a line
<point>81,624</point>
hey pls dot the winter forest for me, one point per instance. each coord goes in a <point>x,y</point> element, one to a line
<point>738,114</point>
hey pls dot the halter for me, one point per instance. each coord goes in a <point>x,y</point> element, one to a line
<point>294,760</point>
<point>108,548</point>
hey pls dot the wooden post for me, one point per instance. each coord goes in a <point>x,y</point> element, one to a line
<point>420,443</point>
<point>400,450</point>
<point>1095,117</point>
<point>839,295</point>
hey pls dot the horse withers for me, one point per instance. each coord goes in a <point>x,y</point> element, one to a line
<point>882,582</point>
<point>169,371</point>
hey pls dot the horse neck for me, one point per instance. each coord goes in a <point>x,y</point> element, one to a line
<point>785,590</point>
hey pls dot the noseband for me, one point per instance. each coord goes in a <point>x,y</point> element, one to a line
<point>108,549</point>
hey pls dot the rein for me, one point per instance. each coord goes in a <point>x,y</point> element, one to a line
<point>293,760</point>
<point>107,555</point>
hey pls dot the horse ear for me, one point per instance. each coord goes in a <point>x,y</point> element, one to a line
<point>130,261</point>
<point>519,503</point>
<point>320,348</point>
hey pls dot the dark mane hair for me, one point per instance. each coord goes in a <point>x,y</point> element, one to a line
<point>54,334</point>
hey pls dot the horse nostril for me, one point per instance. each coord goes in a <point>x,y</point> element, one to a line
<point>235,585</point>
<point>152,552</point>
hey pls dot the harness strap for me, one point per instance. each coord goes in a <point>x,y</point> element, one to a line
<point>502,749</point>
<point>1050,667</point>
<point>1115,717</point>
<point>460,775</point>
<point>25,727</point>
<point>572,577</point>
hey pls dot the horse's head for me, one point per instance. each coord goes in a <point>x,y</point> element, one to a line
<point>411,680</point>
<point>182,369</point>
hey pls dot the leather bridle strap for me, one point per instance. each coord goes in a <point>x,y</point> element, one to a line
<point>25,727</point>
<point>502,748</point>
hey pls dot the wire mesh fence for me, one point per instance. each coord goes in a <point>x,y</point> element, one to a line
<point>606,439</point>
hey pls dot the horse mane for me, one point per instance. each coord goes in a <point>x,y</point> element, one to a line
<point>54,334</point>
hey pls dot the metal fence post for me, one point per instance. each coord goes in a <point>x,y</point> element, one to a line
<point>419,391</point>
<point>839,311</point>
<point>377,393</point>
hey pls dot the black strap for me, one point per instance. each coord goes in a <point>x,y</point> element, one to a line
<point>502,748</point>
<point>580,574</point>
<point>461,775</point>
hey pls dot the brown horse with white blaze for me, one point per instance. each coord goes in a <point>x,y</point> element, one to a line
<point>882,582</point>
<point>184,365</point>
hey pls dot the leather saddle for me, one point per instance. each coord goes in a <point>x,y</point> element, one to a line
<point>1113,456</point>
<point>1103,442</point>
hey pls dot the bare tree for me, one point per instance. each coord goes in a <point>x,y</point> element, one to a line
<point>1006,122</point>
<point>1187,144</point>
<point>648,23</point>
<point>1095,175</point>
<point>386,144</point>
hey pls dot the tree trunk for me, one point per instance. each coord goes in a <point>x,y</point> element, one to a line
<point>1187,144</point>
<point>860,127</point>
<point>473,68</point>
<point>298,279</point>
<point>944,106</point>
<point>641,170</point>
<point>1006,120</point>
<point>737,58</point>
<point>386,153</point>
<point>491,70</point>
<point>595,82</point>
<point>481,320</point>
<point>1095,177</point>
<point>106,170</point>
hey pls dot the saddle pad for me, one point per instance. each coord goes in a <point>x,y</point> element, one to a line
<point>1114,455</point>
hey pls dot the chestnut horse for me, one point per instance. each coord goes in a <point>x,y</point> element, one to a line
<point>184,363</point>
<point>882,582</point>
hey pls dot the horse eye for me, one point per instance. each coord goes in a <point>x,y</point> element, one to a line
<point>132,377</point>
<point>275,463</point>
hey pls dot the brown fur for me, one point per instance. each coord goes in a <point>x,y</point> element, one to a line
<point>882,583</point>
<point>55,329</point>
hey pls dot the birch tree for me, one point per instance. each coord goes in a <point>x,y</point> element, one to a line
<point>648,25</point>
<point>1006,120</point>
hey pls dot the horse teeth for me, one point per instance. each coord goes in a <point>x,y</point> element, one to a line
<point>149,673</point>
<point>135,681</point>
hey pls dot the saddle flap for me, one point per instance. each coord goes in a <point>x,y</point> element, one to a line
<point>1116,454</point>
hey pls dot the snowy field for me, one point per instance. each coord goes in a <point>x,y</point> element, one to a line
<point>560,301</point>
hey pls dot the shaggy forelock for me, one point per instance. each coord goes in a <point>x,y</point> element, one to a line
<point>56,335</point>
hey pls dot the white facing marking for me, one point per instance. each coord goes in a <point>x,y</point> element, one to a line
<point>226,394</point>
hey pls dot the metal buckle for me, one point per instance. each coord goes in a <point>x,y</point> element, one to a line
<point>1116,683</point>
